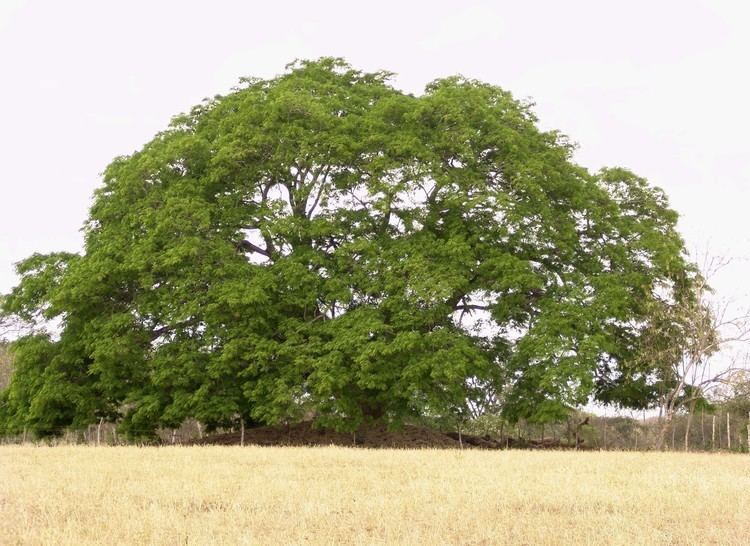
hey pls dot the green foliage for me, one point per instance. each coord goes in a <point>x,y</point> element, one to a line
<point>322,241</point>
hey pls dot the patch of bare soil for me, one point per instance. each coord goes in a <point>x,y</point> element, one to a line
<point>372,436</point>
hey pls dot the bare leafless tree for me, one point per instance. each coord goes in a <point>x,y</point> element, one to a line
<point>692,334</point>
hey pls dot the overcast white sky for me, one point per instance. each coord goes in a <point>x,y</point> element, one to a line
<point>660,87</point>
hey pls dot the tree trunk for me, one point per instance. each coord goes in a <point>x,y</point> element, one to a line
<point>666,422</point>
<point>729,434</point>
<point>374,411</point>
<point>713,433</point>
<point>99,432</point>
<point>242,432</point>
<point>578,429</point>
<point>691,409</point>
<point>703,430</point>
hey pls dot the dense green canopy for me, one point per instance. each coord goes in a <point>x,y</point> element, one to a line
<point>324,242</point>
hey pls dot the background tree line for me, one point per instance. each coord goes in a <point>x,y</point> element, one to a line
<point>707,429</point>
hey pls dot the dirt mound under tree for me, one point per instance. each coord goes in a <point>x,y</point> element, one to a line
<point>370,436</point>
<point>304,434</point>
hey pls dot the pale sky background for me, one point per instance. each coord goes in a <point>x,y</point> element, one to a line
<point>661,87</point>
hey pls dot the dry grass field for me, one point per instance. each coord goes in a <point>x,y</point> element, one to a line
<point>278,496</point>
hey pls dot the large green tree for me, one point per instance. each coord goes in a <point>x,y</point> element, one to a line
<point>322,241</point>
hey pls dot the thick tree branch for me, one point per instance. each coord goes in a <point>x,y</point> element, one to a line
<point>158,332</point>
<point>472,307</point>
<point>247,246</point>
<point>320,192</point>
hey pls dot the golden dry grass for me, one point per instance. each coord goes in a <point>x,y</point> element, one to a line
<point>278,496</point>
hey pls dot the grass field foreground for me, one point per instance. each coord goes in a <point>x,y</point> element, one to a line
<point>232,495</point>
